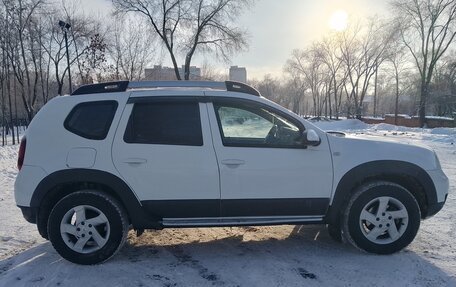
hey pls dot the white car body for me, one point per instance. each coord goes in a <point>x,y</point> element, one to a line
<point>237,176</point>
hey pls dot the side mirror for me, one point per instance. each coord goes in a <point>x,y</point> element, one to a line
<point>311,138</point>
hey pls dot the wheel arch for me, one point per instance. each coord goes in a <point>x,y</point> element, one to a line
<point>61,183</point>
<point>410,176</point>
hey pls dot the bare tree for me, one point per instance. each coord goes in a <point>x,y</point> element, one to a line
<point>94,64</point>
<point>295,90</point>
<point>191,26</point>
<point>210,73</point>
<point>79,39</point>
<point>269,87</point>
<point>428,27</point>
<point>398,61</point>
<point>133,47</point>
<point>362,52</point>
<point>297,82</point>
<point>4,71</point>
<point>306,66</point>
<point>443,86</point>
<point>22,50</point>
<point>330,54</point>
<point>42,63</point>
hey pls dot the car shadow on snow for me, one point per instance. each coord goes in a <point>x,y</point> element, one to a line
<point>241,256</point>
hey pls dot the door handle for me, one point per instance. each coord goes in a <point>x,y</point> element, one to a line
<point>233,162</point>
<point>135,160</point>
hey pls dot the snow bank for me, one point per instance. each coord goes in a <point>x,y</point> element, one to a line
<point>443,131</point>
<point>442,135</point>
<point>15,233</point>
<point>7,155</point>
<point>439,118</point>
<point>342,125</point>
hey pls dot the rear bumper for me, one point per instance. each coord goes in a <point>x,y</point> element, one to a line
<point>29,213</point>
<point>26,182</point>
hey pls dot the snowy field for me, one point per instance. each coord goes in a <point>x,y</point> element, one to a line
<point>250,256</point>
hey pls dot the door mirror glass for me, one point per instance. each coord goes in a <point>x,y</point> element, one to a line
<point>311,138</point>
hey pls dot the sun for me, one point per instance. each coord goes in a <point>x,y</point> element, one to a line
<point>338,20</point>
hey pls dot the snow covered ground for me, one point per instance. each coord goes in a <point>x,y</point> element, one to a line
<point>250,256</point>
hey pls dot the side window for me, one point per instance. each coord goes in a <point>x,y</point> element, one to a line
<point>250,125</point>
<point>168,123</point>
<point>91,120</point>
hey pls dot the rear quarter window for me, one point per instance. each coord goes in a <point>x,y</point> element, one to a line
<point>91,120</point>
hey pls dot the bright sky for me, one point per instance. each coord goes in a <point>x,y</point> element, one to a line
<point>278,27</point>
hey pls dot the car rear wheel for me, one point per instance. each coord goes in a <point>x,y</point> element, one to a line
<point>381,217</point>
<point>87,227</point>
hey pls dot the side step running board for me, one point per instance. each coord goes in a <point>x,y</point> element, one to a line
<point>236,221</point>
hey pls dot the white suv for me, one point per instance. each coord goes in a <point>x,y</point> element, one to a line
<point>149,155</point>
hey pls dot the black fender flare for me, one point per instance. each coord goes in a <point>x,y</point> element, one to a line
<point>139,218</point>
<point>392,170</point>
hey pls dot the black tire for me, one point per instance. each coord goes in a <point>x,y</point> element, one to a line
<point>334,232</point>
<point>369,196</point>
<point>42,227</point>
<point>115,228</point>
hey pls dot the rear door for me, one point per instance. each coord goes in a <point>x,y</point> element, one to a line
<point>163,149</point>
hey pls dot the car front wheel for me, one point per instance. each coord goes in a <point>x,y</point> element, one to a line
<point>381,217</point>
<point>87,227</point>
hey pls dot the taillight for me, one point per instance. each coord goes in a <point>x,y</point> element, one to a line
<point>20,159</point>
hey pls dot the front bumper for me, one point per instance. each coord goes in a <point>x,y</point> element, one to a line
<point>433,209</point>
<point>441,183</point>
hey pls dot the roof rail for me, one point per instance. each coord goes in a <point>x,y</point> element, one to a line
<point>122,86</point>
<point>109,87</point>
<point>174,84</point>
<point>241,88</point>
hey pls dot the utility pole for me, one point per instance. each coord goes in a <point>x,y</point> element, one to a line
<point>65,27</point>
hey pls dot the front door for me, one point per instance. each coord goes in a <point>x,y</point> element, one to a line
<point>163,150</point>
<point>265,170</point>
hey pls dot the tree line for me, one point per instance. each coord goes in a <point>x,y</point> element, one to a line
<point>374,62</point>
<point>367,68</point>
<point>34,60</point>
